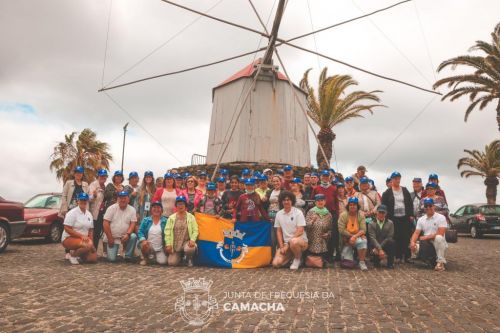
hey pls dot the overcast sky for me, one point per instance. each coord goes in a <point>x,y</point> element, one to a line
<point>51,66</point>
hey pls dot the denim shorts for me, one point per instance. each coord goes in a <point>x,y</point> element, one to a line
<point>361,243</point>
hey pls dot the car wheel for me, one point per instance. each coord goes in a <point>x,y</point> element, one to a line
<point>4,237</point>
<point>55,233</point>
<point>474,233</point>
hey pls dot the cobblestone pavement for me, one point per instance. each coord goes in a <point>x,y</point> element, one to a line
<point>41,292</point>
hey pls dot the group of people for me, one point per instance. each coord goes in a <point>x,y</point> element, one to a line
<point>319,219</point>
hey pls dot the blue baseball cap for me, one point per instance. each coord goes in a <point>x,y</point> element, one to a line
<point>395,174</point>
<point>433,185</point>
<point>177,176</point>
<point>433,176</point>
<point>224,172</point>
<point>186,175</point>
<point>118,173</point>
<point>221,180</point>
<point>331,170</point>
<point>245,172</point>
<point>348,179</point>
<point>382,208</point>
<point>352,200</point>
<point>148,174</point>
<point>168,175</point>
<point>314,174</point>
<point>79,169</point>
<point>211,186</point>
<point>262,178</point>
<point>133,174</point>
<point>250,181</point>
<point>180,198</point>
<point>428,201</point>
<point>102,172</point>
<point>319,197</point>
<point>241,179</point>
<point>123,194</point>
<point>82,196</point>
<point>417,180</point>
<point>202,174</point>
<point>364,180</point>
<point>340,184</point>
<point>157,203</point>
<point>325,173</point>
<point>287,168</point>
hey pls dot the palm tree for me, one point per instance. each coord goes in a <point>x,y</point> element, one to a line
<point>485,164</point>
<point>86,151</point>
<point>333,107</point>
<point>483,85</point>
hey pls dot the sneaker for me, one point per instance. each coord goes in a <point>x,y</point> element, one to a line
<point>67,256</point>
<point>143,262</point>
<point>362,266</point>
<point>190,263</point>
<point>439,267</point>
<point>73,260</point>
<point>295,264</point>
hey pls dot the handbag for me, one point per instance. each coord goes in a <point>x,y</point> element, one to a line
<point>451,235</point>
<point>314,261</point>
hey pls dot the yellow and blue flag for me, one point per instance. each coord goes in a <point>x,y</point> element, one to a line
<point>240,245</point>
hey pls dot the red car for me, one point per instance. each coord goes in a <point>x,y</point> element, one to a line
<point>11,221</point>
<point>40,214</point>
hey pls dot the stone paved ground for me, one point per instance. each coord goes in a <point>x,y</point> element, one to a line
<point>41,292</point>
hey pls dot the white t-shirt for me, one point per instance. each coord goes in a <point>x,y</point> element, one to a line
<point>288,222</point>
<point>155,236</point>
<point>80,221</point>
<point>430,225</point>
<point>119,220</point>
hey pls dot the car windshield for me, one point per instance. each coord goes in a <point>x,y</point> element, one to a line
<point>490,210</point>
<point>48,201</point>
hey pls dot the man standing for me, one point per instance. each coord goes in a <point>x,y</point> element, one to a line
<point>360,173</point>
<point>314,179</point>
<point>288,177</point>
<point>96,206</point>
<point>292,238</point>
<point>399,205</point>
<point>119,224</point>
<point>381,240</point>
<point>432,245</point>
<point>133,188</point>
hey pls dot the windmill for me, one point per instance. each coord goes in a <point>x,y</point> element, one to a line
<point>265,107</point>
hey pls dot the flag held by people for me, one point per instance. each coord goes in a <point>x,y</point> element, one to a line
<point>240,245</point>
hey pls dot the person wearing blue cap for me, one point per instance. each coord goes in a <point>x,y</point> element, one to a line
<point>287,177</point>
<point>151,236</point>
<point>263,187</point>
<point>296,189</point>
<point>249,206</point>
<point>381,238</point>
<point>440,205</point>
<point>341,197</point>
<point>112,189</point>
<point>167,194</point>
<point>96,204</point>
<point>352,229</point>
<point>202,182</point>
<point>78,236</point>
<point>179,182</point>
<point>314,179</point>
<point>133,189</point>
<point>307,188</point>
<point>430,235</point>
<point>369,200</point>
<point>119,224</point>
<point>71,189</point>
<point>221,187</point>
<point>245,173</point>
<point>319,223</point>
<point>181,233</point>
<point>350,190</point>
<point>230,197</point>
<point>210,204</point>
<point>400,211</point>
<point>434,178</point>
<point>332,204</point>
<point>146,192</point>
